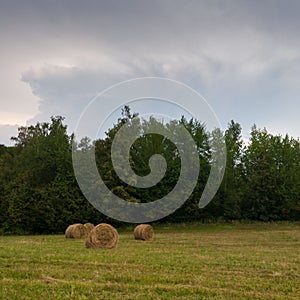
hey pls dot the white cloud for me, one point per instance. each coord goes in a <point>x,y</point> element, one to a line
<point>16,99</point>
<point>6,132</point>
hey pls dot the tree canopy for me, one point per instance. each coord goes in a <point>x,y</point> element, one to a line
<point>39,192</point>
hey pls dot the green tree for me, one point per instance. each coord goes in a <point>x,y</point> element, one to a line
<point>230,192</point>
<point>43,195</point>
<point>272,177</point>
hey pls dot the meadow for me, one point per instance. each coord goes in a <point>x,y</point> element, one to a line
<point>184,261</point>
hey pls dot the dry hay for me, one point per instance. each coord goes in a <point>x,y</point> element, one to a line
<point>88,227</point>
<point>68,233</point>
<point>102,236</point>
<point>76,231</point>
<point>143,232</point>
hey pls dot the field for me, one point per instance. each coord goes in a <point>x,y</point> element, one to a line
<point>191,261</point>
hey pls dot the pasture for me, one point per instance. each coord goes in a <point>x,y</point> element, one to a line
<point>184,261</point>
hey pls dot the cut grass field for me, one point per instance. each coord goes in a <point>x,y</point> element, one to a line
<point>191,261</point>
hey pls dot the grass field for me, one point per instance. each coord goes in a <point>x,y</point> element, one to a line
<point>196,261</point>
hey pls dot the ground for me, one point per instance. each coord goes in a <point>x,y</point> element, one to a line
<point>184,261</point>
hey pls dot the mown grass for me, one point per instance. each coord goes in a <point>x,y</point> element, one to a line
<point>195,261</point>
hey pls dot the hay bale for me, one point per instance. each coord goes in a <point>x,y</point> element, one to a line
<point>102,236</point>
<point>76,231</point>
<point>88,227</point>
<point>143,232</point>
<point>68,232</point>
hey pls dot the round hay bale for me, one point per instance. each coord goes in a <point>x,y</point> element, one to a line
<point>88,227</point>
<point>102,236</point>
<point>143,232</point>
<point>68,232</point>
<point>76,231</point>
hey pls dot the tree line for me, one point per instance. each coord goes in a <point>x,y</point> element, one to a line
<point>39,192</point>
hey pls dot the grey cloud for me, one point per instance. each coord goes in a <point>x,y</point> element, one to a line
<point>66,91</point>
<point>243,56</point>
<point>144,24</point>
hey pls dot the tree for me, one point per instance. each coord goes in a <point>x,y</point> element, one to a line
<point>43,195</point>
<point>230,192</point>
<point>272,177</point>
<point>39,192</point>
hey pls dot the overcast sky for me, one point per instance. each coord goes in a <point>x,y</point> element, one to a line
<point>242,56</point>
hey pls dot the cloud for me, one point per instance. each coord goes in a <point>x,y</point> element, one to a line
<point>243,56</point>
<point>6,132</point>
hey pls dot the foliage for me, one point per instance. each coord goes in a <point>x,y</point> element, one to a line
<point>39,192</point>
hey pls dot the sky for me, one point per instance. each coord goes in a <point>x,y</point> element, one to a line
<point>243,57</point>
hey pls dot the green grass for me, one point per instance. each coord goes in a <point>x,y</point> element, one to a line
<point>256,261</point>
